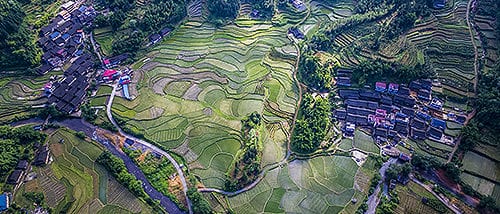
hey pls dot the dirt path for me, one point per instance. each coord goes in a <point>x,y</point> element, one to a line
<point>457,143</point>
<point>429,189</point>
<point>471,32</point>
<point>288,152</point>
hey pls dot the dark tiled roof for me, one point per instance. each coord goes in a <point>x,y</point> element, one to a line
<point>15,177</point>
<point>434,133</point>
<point>22,164</point>
<point>349,93</point>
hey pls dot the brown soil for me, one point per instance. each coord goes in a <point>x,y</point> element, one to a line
<point>175,187</point>
<point>57,149</point>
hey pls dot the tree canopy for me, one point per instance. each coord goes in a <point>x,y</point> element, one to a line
<point>223,10</point>
<point>312,125</point>
<point>316,74</point>
<point>17,46</point>
<point>369,71</point>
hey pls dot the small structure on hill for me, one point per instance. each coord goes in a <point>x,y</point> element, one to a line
<point>42,157</point>
<point>296,33</point>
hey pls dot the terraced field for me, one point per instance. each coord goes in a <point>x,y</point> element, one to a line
<point>73,183</point>
<point>202,81</point>
<point>19,95</point>
<point>482,174</point>
<point>319,185</point>
<point>445,40</point>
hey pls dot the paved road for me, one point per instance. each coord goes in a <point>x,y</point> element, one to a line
<point>165,201</point>
<point>374,198</point>
<point>78,125</point>
<point>95,48</point>
<point>149,146</point>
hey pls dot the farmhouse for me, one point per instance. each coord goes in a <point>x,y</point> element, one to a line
<point>22,165</point>
<point>42,157</point>
<point>344,81</point>
<point>155,38</point>
<point>296,33</point>
<point>439,4</point>
<point>15,177</point>
<point>299,5</point>
<point>165,31</point>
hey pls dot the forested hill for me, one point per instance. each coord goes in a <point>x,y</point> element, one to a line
<point>18,47</point>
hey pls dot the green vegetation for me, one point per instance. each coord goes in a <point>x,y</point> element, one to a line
<point>315,74</point>
<point>157,171</point>
<point>247,165</point>
<point>312,124</point>
<point>16,144</point>
<point>74,182</point>
<point>222,11</point>
<point>318,185</point>
<point>117,167</point>
<point>370,71</point>
<point>18,47</point>
<point>200,205</point>
<point>129,30</point>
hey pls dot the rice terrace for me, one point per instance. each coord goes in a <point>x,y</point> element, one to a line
<point>249,106</point>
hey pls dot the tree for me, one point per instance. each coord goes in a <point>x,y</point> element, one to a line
<point>265,7</point>
<point>17,46</point>
<point>80,135</point>
<point>315,74</point>
<point>200,205</point>
<point>223,10</point>
<point>312,125</point>
<point>452,172</point>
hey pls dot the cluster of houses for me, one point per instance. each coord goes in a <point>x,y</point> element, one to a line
<point>155,38</point>
<point>62,39</point>
<point>68,93</point>
<point>123,77</point>
<point>42,158</point>
<point>392,111</point>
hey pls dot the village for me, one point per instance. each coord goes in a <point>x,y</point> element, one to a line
<point>394,113</point>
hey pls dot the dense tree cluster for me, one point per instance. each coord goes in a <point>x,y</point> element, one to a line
<point>157,171</point>
<point>128,43</point>
<point>16,143</point>
<point>223,10</point>
<point>200,205</point>
<point>247,167</point>
<point>482,129</point>
<point>154,15</point>
<point>369,71</point>
<point>312,124</point>
<point>265,7</point>
<point>159,13</point>
<point>316,74</point>
<point>396,170</point>
<point>408,12</point>
<point>118,169</point>
<point>17,46</point>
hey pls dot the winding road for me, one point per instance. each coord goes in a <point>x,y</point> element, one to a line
<point>149,146</point>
